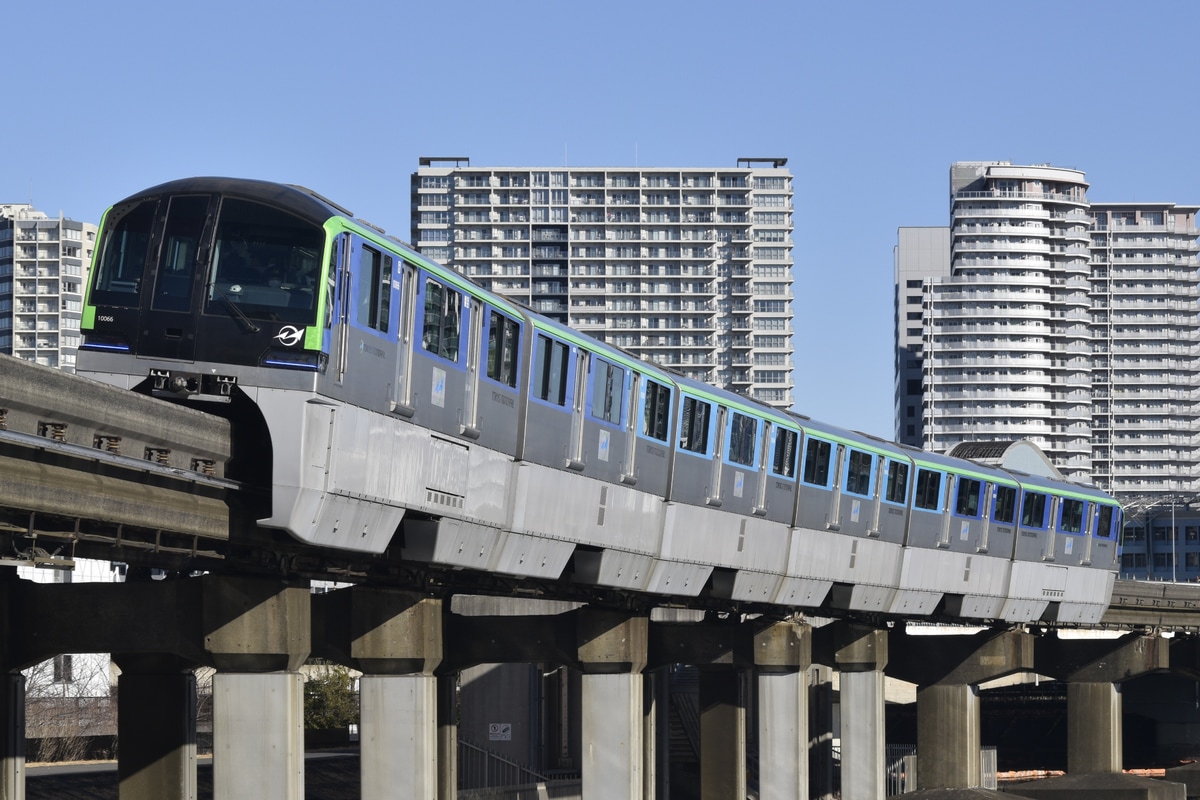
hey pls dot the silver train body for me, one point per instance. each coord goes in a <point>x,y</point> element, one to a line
<point>405,408</point>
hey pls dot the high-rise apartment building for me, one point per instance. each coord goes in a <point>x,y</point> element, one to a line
<point>1145,333</point>
<point>690,268</point>
<point>1070,323</point>
<point>43,270</point>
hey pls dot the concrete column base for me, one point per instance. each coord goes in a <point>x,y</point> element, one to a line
<point>783,736</point>
<point>12,736</point>
<point>156,728</point>
<point>948,749</point>
<point>612,736</point>
<point>398,736</point>
<point>722,736</point>
<point>1093,728</point>
<point>258,736</point>
<point>864,753</point>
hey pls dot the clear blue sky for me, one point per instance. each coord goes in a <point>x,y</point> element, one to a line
<point>870,102</point>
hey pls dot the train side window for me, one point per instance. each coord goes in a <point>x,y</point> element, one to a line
<point>373,299</point>
<point>816,462</point>
<point>858,472</point>
<point>929,484</point>
<point>550,371</point>
<point>784,463</point>
<point>967,502</point>
<point>743,438</point>
<point>1070,518</point>
<point>1104,522</point>
<point>122,260</point>
<point>1033,510</point>
<point>656,411</point>
<point>897,482</point>
<point>504,340</point>
<point>693,425</point>
<point>608,391</point>
<point>1006,504</point>
<point>439,332</point>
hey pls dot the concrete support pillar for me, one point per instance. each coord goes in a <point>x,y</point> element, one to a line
<point>650,727</point>
<point>398,737</point>
<point>258,736</point>
<point>257,633</point>
<point>722,735</point>
<point>1093,727</point>
<point>948,743</point>
<point>820,733</point>
<point>447,736</point>
<point>612,653</point>
<point>861,657</point>
<point>156,728</point>
<point>395,639</point>
<point>12,736</point>
<point>782,656</point>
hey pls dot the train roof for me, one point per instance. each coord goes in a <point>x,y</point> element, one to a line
<point>296,199</point>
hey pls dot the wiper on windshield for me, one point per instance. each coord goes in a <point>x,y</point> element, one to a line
<point>234,311</point>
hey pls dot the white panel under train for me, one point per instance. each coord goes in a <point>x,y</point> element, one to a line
<point>1031,587</point>
<point>709,536</point>
<point>451,542</point>
<point>556,504</point>
<point>354,523</point>
<point>617,568</point>
<point>533,556</point>
<point>802,592</point>
<point>928,574</point>
<point>825,555</point>
<point>679,578</point>
<point>747,585</point>
<point>1086,582</point>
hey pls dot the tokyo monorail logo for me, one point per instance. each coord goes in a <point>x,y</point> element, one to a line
<point>289,335</point>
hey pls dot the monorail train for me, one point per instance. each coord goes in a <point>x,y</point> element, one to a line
<point>401,406</point>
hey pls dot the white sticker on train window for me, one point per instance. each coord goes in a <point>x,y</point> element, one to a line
<point>1067,546</point>
<point>964,531</point>
<point>602,446</point>
<point>854,509</point>
<point>438,395</point>
<point>738,481</point>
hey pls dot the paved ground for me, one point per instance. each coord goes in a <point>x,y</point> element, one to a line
<point>327,776</point>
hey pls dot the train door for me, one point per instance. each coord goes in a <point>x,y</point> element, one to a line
<point>575,453</point>
<point>835,495</point>
<point>339,291</point>
<point>469,424</point>
<point>167,329</point>
<point>764,451</point>
<point>629,467</point>
<point>714,492</point>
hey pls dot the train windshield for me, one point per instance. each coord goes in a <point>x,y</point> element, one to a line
<point>123,252</point>
<point>265,264</point>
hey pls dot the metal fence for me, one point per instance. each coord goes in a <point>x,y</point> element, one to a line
<point>481,769</point>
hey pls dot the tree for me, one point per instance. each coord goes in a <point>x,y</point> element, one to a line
<point>330,699</point>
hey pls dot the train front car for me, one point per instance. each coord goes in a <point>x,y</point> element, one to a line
<point>214,292</point>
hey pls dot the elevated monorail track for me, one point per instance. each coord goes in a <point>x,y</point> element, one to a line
<point>85,466</point>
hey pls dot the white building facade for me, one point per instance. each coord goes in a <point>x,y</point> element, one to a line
<point>688,268</point>
<point>1052,318</point>
<point>43,271</point>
